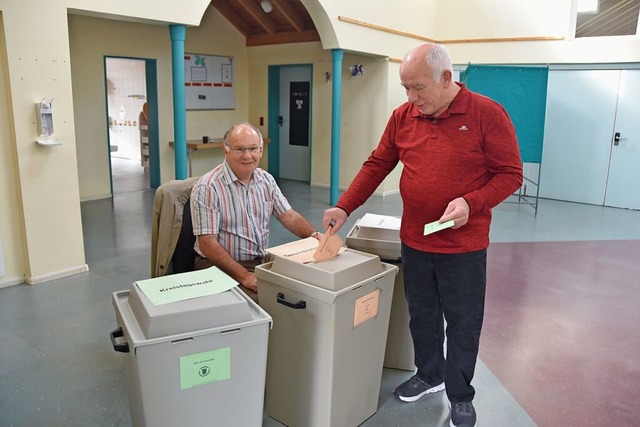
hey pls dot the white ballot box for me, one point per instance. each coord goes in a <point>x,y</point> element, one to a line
<point>192,360</point>
<point>380,235</point>
<point>326,348</point>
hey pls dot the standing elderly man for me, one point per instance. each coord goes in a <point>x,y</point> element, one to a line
<point>460,158</point>
<point>231,206</point>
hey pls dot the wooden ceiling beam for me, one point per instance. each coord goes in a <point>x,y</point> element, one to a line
<point>259,15</point>
<point>289,14</point>
<point>282,38</point>
<point>223,7</point>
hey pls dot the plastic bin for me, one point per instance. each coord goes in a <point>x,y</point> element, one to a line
<point>386,244</point>
<point>326,348</point>
<point>196,362</point>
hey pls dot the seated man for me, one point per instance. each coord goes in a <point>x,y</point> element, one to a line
<point>231,206</point>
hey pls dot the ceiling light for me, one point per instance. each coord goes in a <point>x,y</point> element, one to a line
<point>266,6</point>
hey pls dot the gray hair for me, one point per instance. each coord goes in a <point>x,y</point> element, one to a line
<point>438,61</point>
<point>256,130</point>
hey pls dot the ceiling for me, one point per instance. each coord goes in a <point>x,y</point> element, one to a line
<point>288,21</point>
<point>612,18</point>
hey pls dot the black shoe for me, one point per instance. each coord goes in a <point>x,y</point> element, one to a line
<point>463,414</point>
<point>414,388</point>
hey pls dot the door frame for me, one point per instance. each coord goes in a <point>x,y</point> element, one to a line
<point>151,82</point>
<point>273,111</point>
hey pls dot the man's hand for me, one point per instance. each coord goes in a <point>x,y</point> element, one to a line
<point>333,218</point>
<point>250,281</point>
<point>458,211</point>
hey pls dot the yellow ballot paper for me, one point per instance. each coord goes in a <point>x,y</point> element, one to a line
<point>434,226</point>
<point>183,286</point>
<point>330,246</point>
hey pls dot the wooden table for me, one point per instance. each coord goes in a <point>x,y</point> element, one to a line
<point>197,144</point>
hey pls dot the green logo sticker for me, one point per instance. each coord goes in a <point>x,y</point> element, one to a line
<point>205,368</point>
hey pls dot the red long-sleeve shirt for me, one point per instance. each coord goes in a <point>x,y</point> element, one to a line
<point>469,151</point>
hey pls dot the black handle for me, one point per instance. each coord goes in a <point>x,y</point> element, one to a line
<point>280,120</point>
<point>295,305</point>
<point>119,333</point>
<point>616,138</point>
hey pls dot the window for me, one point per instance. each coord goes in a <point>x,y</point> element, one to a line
<point>599,18</point>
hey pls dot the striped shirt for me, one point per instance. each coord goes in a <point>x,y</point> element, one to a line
<point>237,213</point>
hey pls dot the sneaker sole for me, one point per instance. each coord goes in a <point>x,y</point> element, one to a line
<point>435,389</point>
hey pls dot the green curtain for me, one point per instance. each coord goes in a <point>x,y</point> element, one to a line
<point>522,91</point>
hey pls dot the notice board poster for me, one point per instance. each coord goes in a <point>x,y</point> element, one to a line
<point>208,82</point>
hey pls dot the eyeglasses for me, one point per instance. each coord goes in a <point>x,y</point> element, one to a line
<point>240,151</point>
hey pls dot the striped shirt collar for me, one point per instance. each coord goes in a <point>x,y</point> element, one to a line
<point>231,177</point>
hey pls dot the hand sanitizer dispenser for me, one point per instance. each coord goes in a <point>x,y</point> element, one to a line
<point>44,119</point>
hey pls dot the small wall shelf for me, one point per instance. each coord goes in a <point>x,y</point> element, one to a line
<point>48,142</point>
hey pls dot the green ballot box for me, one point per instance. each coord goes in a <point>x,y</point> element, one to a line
<point>196,358</point>
<point>380,235</point>
<point>326,348</point>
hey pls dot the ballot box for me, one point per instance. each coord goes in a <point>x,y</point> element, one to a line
<point>326,348</point>
<point>379,235</point>
<point>200,361</point>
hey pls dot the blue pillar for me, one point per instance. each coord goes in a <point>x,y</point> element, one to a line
<point>336,98</point>
<point>178,33</point>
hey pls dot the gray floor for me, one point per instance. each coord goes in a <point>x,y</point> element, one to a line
<point>57,365</point>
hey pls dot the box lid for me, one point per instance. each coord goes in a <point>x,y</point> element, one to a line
<point>337,273</point>
<point>203,312</point>
<point>379,241</point>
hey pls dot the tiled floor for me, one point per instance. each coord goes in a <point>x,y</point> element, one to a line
<point>128,175</point>
<point>560,344</point>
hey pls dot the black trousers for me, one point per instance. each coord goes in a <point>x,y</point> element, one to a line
<point>451,288</point>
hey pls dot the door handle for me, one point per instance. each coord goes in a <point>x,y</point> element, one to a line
<point>616,138</point>
<point>280,120</point>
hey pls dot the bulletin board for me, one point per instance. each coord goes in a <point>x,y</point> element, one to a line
<point>208,82</point>
<point>522,91</point>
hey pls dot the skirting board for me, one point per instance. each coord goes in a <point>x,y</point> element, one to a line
<point>5,283</point>
<point>95,197</point>
<point>34,280</point>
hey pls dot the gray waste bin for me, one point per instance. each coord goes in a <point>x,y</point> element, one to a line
<point>386,244</point>
<point>196,362</point>
<point>326,348</point>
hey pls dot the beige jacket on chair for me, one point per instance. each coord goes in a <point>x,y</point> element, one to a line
<point>166,222</point>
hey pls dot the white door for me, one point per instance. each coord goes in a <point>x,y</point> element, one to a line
<point>581,108</point>
<point>624,171</point>
<point>295,122</point>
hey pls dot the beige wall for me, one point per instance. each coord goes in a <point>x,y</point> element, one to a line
<point>44,185</point>
<point>364,106</point>
<point>11,216</point>
<point>94,38</point>
<point>413,16</point>
<point>91,39</point>
<point>216,36</point>
<point>40,223</point>
<point>188,12</point>
<point>474,19</point>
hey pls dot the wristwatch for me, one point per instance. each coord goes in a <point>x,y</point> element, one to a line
<point>315,234</point>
